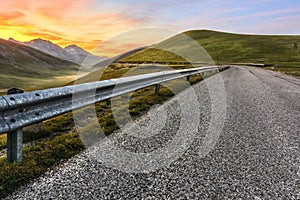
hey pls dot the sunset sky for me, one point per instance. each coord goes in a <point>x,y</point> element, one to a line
<point>87,23</point>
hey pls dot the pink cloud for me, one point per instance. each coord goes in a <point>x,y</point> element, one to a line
<point>61,21</point>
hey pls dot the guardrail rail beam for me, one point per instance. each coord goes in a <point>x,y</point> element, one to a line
<point>20,110</point>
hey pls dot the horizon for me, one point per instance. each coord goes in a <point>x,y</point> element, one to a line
<point>89,24</point>
<point>11,38</point>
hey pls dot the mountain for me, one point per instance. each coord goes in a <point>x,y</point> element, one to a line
<point>26,67</point>
<point>49,48</point>
<point>83,57</point>
<point>71,53</point>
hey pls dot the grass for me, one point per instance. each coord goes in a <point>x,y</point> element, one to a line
<point>37,159</point>
<point>30,84</point>
<point>231,48</point>
<point>294,71</point>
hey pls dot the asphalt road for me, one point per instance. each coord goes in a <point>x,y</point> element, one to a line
<point>246,146</point>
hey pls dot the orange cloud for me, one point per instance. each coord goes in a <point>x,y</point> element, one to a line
<point>63,22</point>
<point>11,15</point>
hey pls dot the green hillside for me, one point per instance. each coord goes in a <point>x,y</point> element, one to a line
<point>227,48</point>
<point>28,68</point>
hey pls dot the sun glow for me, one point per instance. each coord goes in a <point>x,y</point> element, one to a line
<point>64,22</point>
<point>87,23</point>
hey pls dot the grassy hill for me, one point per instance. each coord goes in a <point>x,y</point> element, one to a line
<point>227,48</point>
<point>28,68</point>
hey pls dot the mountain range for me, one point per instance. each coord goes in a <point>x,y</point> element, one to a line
<point>70,53</point>
<point>39,64</point>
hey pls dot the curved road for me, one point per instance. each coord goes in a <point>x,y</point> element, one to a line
<point>256,156</point>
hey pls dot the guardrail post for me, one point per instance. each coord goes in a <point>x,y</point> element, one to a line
<point>188,78</point>
<point>157,88</point>
<point>14,146</point>
<point>14,138</point>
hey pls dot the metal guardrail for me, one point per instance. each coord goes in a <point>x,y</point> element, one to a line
<point>20,110</point>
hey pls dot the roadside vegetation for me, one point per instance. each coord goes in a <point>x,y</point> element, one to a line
<point>61,141</point>
<point>294,71</point>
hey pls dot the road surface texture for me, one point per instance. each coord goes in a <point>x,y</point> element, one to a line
<point>256,155</point>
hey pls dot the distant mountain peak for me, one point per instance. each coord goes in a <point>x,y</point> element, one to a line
<point>74,47</point>
<point>71,53</point>
<point>82,56</point>
<point>13,40</point>
<point>41,40</point>
<point>38,39</point>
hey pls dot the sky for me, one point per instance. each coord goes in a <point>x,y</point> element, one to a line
<point>88,23</point>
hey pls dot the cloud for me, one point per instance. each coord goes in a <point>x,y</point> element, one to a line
<point>61,21</point>
<point>90,22</point>
<point>11,15</point>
